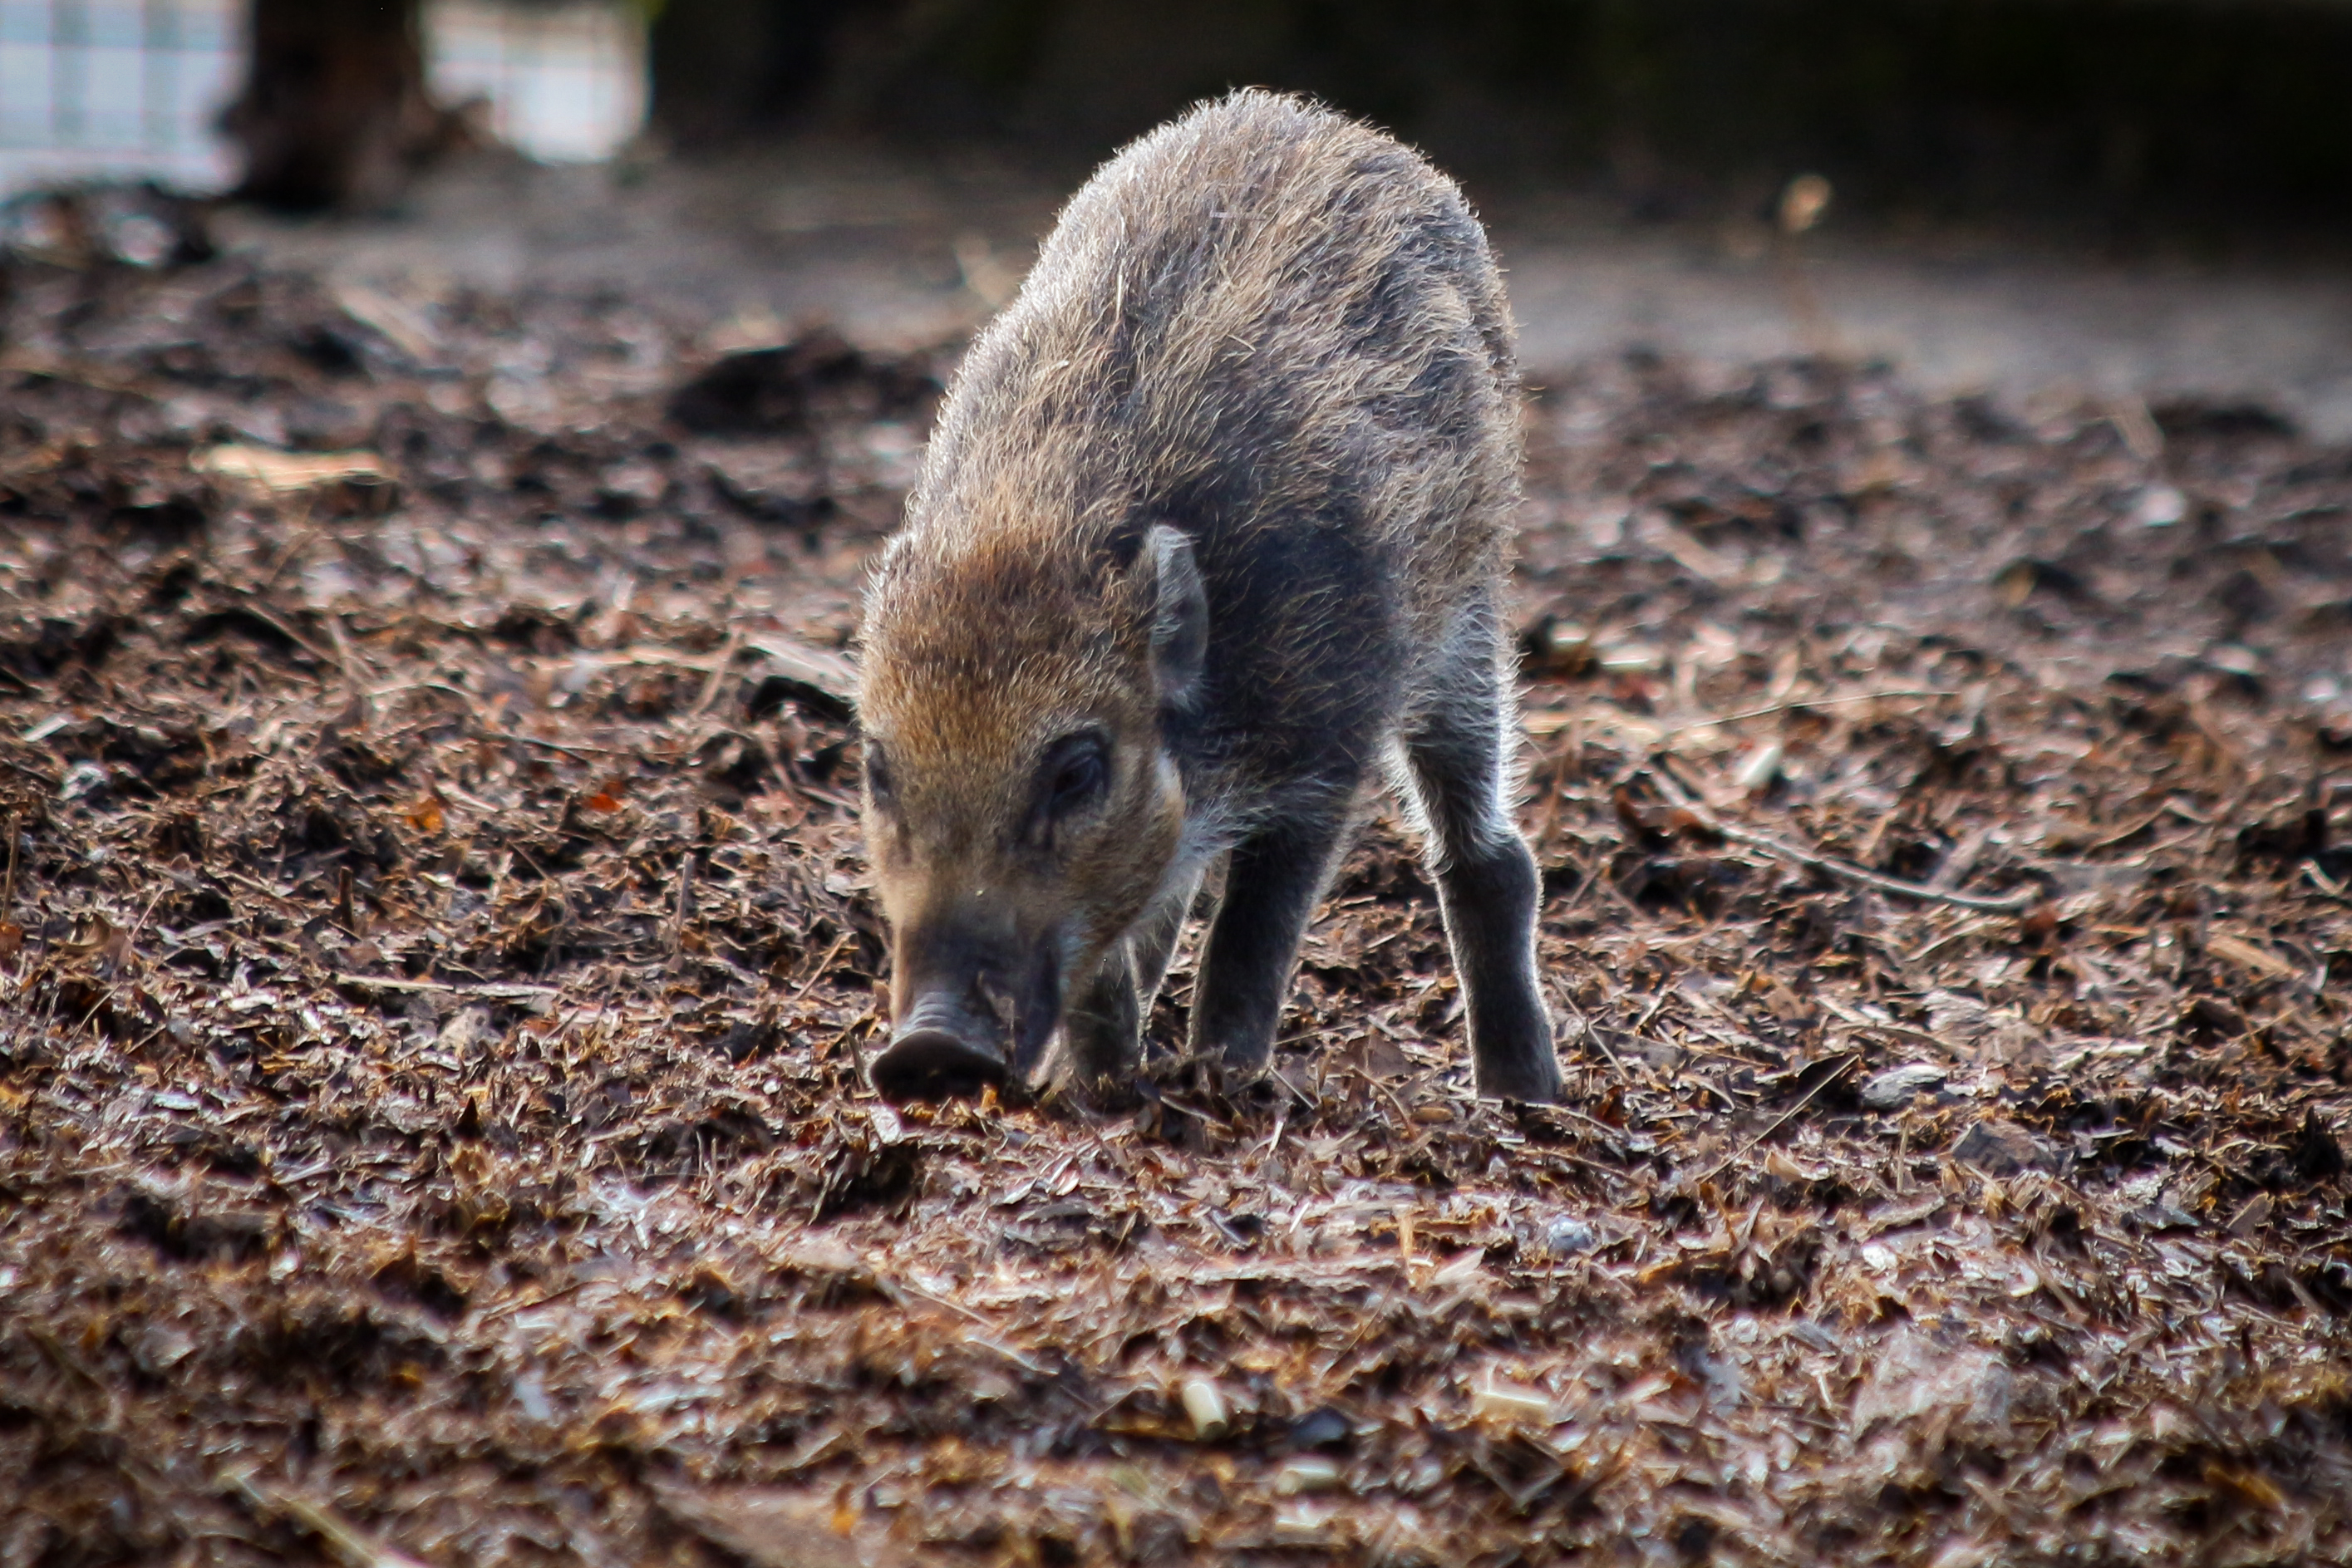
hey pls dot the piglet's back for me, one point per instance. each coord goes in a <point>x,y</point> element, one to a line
<point>1280,331</point>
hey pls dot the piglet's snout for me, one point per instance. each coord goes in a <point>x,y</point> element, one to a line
<point>942,1049</point>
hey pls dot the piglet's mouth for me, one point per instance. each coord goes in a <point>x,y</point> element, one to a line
<point>965,1032</point>
<point>932,1063</point>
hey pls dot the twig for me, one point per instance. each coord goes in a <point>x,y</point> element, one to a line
<point>848,1037</point>
<point>1281,1119</point>
<point>345,1540</point>
<point>1854,1059</point>
<point>1552,724</point>
<point>250,602</point>
<point>1958,933</point>
<point>50,782</point>
<point>1593,1126</point>
<point>294,547</point>
<point>821,966</point>
<point>567,749</point>
<point>1297,1093</point>
<point>8,888</point>
<point>139,925</point>
<point>1793,703</point>
<point>985,1341</point>
<point>685,910</point>
<point>521,1304</point>
<point>1812,860</point>
<point>1897,1030</point>
<point>717,674</point>
<point>1592,1030</point>
<point>62,370</point>
<point>263,888</point>
<point>492,990</point>
<point>1588,872</point>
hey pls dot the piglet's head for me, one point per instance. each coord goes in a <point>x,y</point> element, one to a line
<point>1021,805</point>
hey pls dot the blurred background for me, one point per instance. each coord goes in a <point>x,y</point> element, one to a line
<point>140,88</point>
<point>2102,197</point>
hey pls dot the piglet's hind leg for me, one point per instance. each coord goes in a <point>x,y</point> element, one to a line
<point>1488,885</point>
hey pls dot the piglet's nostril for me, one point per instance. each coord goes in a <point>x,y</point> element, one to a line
<point>924,1063</point>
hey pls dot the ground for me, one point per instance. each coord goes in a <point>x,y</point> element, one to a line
<point>438,964</point>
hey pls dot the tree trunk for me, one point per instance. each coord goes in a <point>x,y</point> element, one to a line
<point>725,70</point>
<point>334,112</point>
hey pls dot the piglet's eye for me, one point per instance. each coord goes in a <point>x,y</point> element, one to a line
<point>877,772</point>
<point>1075,774</point>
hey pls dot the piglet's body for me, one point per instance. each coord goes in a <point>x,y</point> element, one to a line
<point>1209,537</point>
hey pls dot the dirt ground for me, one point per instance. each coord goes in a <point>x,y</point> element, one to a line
<point>437,967</point>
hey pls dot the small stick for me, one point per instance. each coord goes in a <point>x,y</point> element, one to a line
<point>344,1538</point>
<point>1552,724</point>
<point>1657,1005</point>
<point>821,966</point>
<point>856,1051</point>
<point>1592,1031</point>
<point>492,990</point>
<point>8,888</point>
<point>139,925</point>
<point>1586,872</point>
<point>520,740</point>
<point>1958,933</point>
<point>1793,703</point>
<point>1779,1122</point>
<point>263,888</point>
<point>717,674</point>
<point>1594,1126</point>
<point>1296,1092</point>
<point>305,531</point>
<point>1281,1119</point>
<point>48,782</point>
<point>684,902</point>
<point>2007,904</point>
<point>1898,1030</point>
<point>249,603</point>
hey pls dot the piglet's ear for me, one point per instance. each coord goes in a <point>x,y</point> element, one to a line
<point>1180,618</point>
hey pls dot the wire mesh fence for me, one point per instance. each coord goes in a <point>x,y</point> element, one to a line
<point>134,89</point>
<point>94,88</point>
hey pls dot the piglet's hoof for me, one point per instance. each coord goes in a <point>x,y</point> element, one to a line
<point>932,1064</point>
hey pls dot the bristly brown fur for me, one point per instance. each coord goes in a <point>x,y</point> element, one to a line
<point>1278,334</point>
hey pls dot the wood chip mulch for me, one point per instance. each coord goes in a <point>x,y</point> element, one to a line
<point>436,963</point>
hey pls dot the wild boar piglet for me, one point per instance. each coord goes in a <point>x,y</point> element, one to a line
<point>1208,537</point>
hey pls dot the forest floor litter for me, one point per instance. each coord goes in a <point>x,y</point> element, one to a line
<point>436,966</point>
